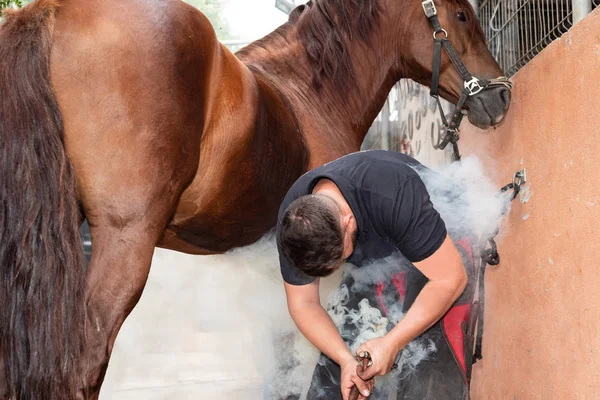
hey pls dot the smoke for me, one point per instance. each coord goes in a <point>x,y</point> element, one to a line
<point>213,327</point>
<point>360,324</point>
<point>467,200</point>
<point>470,205</point>
<point>366,320</point>
<point>217,327</point>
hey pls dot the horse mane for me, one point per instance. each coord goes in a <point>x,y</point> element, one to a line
<point>326,28</point>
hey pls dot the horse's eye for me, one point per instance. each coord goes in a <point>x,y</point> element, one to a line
<point>461,16</point>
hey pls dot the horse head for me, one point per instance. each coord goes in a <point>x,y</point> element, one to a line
<point>336,61</point>
<point>463,70</point>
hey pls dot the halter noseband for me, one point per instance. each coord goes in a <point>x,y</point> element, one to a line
<point>472,85</point>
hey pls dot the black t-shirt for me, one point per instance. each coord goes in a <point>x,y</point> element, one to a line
<point>389,201</point>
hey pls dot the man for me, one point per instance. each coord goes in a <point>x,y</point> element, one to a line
<point>359,208</point>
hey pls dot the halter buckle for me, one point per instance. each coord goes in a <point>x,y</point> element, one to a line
<point>442,30</point>
<point>429,8</point>
<point>451,136</point>
<point>473,86</point>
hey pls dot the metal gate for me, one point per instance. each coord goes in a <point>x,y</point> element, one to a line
<point>517,30</point>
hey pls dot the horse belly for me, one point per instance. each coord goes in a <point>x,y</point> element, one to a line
<point>250,155</point>
<point>217,216</point>
<point>236,194</point>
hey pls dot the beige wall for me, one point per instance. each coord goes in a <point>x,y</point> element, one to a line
<point>542,327</point>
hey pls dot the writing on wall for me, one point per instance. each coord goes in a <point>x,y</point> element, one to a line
<point>410,123</point>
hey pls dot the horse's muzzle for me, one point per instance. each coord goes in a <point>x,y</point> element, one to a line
<point>488,107</point>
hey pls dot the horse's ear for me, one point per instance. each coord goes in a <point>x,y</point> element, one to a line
<point>296,12</point>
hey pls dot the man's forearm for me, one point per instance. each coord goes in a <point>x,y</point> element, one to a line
<point>429,306</point>
<point>316,325</point>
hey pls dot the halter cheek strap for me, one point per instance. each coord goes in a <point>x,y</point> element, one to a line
<point>472,85</point>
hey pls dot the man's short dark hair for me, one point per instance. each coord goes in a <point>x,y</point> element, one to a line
<point>311,236</point>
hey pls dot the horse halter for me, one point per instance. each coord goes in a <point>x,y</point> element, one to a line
<point>472,84</point>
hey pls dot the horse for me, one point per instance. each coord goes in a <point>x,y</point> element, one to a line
<point>133,115</point>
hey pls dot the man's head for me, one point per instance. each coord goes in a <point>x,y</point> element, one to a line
<point>315,234</point>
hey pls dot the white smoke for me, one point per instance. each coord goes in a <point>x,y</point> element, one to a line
<point>466,198</point>
<point>367,320</point>
<point>217,327</point>
<point>360,325</point>
<point>213,327</point>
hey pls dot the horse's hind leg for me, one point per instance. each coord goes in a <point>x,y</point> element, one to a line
<point>128,205</point>
<point>3,385</point>
<point>132,132</point>
<point>127,212</point>
<point>117,275</point>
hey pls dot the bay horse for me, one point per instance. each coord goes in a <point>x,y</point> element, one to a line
<point>133,116</point>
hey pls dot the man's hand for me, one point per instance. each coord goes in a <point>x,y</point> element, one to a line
<point>316,325</point>
<point>383,353</point>
<point>350,378</point>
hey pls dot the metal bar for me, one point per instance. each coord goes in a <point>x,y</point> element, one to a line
<point>385,126</point>
<point>581,8</point>
<point>475,5</point>
<point>485,3</point>
<point>285,6</point>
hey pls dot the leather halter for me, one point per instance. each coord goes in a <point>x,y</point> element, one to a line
<point>472,84</point>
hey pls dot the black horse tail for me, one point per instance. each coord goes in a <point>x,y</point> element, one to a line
<point>41,256</point>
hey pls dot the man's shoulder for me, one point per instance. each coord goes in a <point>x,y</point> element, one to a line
<point>380,171</point>
<point>335,170</point>
<point>386,173</point>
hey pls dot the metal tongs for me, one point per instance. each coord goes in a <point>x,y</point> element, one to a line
<point>365,361</point>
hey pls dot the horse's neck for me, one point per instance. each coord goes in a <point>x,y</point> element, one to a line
<point>250,143</point>
<point>334,120</point>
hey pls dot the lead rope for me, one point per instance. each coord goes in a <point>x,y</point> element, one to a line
<point>472,85</point>
<point>490,256</point>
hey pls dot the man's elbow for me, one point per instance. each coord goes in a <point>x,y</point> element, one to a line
<point>293,309</point>
<point>296,308</point>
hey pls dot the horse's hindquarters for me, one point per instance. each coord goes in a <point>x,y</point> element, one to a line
<point>132,82</point>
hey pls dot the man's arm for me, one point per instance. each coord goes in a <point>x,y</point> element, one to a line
<point>316,325</point>
<point>314,322</point>
<point>447,280</point>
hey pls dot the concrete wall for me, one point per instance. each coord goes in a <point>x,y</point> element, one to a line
<point>542,327</point>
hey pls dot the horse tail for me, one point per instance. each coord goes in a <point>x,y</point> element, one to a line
<point>41,256</point>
